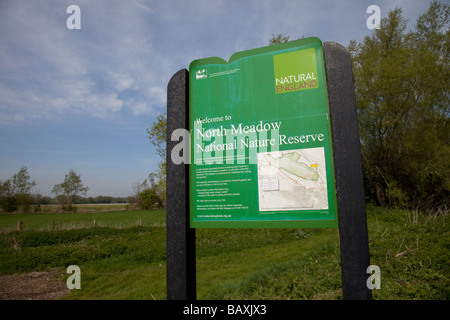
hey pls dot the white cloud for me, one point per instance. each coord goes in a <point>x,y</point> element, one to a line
<point>140,108</point>
<point>122,81</point>
<point>158,94</point>
<point>18,117</point>
<point>59,104</point>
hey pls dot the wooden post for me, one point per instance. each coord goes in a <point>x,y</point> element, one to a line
<point>353,232</point>
<point>181,272</point>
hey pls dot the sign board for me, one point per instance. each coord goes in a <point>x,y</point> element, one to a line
<point>261,144</point>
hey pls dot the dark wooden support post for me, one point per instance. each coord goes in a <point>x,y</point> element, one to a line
<point>353,232</point>
<point>181,273</point>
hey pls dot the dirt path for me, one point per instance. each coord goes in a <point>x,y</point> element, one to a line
<point>33,286</point>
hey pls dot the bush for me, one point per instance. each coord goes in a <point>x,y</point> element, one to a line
<point>9,204</point>
<point>149,199</point>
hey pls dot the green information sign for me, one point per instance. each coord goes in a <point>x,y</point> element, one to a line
<point>261,143</point>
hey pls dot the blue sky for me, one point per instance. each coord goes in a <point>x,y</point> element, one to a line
<point>82,99</point>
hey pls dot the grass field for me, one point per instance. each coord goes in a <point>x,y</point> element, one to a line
<point>123,256</point>
<point>79,220</point>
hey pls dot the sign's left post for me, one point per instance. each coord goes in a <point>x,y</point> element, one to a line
<point>181,271</point>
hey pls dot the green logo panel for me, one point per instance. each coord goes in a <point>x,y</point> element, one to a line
<point>295,71</point>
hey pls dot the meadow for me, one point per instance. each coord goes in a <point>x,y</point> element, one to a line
<point>122,256</point>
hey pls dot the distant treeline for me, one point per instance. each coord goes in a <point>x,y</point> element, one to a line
<point>88,200</point>
<point>16,194</point>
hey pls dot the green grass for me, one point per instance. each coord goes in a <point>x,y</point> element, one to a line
<point>65,221</point>
<point>413,252</point>
<point>292,264</point>
<point>120,259</point>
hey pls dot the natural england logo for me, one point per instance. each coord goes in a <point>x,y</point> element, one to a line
<point>201,74</point>
<point>295,71</point>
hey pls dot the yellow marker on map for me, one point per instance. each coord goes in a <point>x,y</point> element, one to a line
<point>315,165</point>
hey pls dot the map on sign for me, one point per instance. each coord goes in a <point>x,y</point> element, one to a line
<point>292,180</point>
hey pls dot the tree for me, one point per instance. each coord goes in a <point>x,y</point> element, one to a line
<point>157,136</point>
<point>401,86</point>
<point>8,200</point>
<point>280,38</point>
<point>68,190</point>
<point>150,199</point>
<point>16,191</point>
<point>137,189</point>
<point>21,182</point>
<point>148,194</point>
<point>153,196</point>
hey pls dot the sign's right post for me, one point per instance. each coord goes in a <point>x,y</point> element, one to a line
<point>353,231</point>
